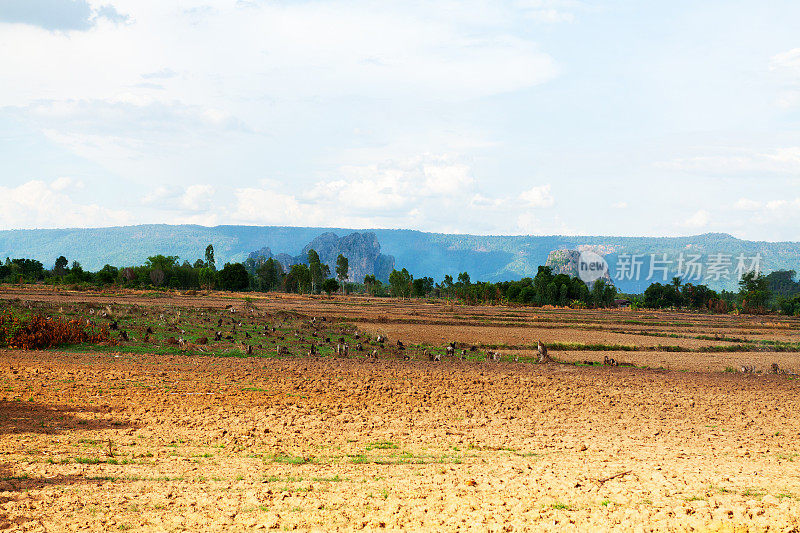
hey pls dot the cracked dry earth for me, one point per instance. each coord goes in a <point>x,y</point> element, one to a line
<point>110,442</point>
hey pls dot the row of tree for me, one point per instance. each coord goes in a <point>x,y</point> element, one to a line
<point>543,289</point>
<point>755,295</point>
<point>313,277</point>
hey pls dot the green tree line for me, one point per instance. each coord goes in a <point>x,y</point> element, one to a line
<point>757,293</point>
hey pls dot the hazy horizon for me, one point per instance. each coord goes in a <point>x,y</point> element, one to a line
<point>339,228</point>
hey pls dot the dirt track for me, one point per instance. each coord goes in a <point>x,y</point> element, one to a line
<point>119,441</point>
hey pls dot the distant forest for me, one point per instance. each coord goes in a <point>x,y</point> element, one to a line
<point>435,255</point>
<point>775,292</point>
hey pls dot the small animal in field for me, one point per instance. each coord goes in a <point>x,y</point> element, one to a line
<point>542,349</point>
<point>608,361</point>
<point>451,349</point>
<point>516,358</point>
<point>374,354</point>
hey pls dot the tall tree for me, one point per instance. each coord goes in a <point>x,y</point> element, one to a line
<point>316,270</point>
<point>234,277</point>
<point>754,292</point>
<point>342,268</point>
<point>107,275</point>
<point>210,263</point>
<point>206,278</point>
<point>60,268</point>
<point>330,285</point>
<point>370,282</point>
<point>298,279</point>
<point>269,274</point>
<point>400,282</point>
<point>164,262</point>
<point>422,287</point>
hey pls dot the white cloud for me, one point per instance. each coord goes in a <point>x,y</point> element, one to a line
<point>789,60</point>
<point>746,204</point>
<point>528,223</point>
<point>479,200</point>
<point>551,11</point>
<point>551,15</point>
<point>264,206</point>
<point>158,194</point>
<point>786,67</point>
<point>188,203</point>
<point>276,50</point>
<point>445,179</point>
<point>36,204</point>
<point>538,196</point>
<point>700,219</point>
<point>619,205</point>
<point>383,190</point>
<point>64,183</point>
<point>395,186</point>
<point>785,160</point>
<point>197,198</point>
<point>432,192</point>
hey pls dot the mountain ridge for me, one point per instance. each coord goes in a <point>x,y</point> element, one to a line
<point>485,257</point>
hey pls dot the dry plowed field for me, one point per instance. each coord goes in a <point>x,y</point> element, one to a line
<point>155,435</point>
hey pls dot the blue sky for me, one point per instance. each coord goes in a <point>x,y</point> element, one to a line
<point>521,117</point>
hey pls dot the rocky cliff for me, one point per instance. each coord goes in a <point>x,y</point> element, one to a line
<point>362,250</point>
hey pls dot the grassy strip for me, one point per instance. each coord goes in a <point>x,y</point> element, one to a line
<point>599,347</point>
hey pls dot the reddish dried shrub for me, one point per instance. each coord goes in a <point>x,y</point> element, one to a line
<point>37,332</point>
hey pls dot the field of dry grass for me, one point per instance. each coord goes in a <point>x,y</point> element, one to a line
<point>151,434</point>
